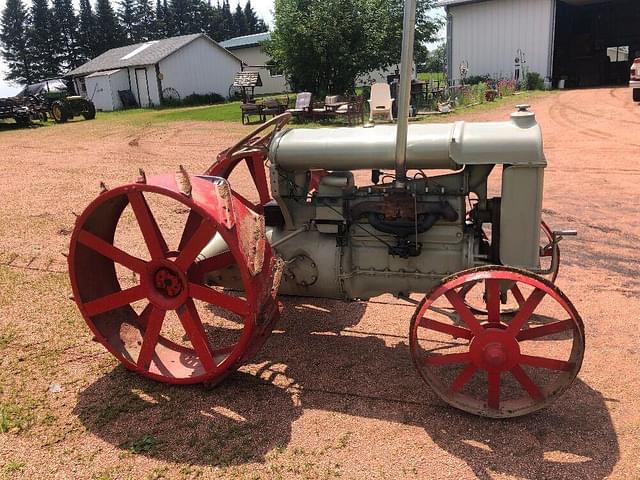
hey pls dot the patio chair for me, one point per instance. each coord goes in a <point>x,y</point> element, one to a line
<point>303,106</point>
<point>272,106</point>
<point>327,108</point>
<point>381,102</point>
<point>352,111</point>
<point>251,109</point>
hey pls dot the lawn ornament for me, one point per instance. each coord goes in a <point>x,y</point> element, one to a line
<point>344,213</point>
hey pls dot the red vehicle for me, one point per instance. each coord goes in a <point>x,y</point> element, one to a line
<point>634,83</point>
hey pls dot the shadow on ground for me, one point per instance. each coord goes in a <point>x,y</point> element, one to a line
<point>248,415</point>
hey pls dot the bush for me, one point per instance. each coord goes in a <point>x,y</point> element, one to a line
<point>534,81</point>
<point>194,99</point>
<point>476,79</point>
<point>506,87</point>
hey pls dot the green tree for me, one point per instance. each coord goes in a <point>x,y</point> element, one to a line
<point>254,23</point>
<point>87,48</point>
<point>323,46</point>
<point>127,18</point>
<point>145,24</point>
<point>227,29</point>
<point>66,23</point>
<point>43,41</point>
<point>239,22</point>
<point>108,31</point>
<point>436,59</point>
<point>13,43</point>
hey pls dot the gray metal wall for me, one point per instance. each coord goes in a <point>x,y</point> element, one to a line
<point>488,34</point>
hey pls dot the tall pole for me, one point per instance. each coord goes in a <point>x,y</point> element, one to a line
<point>406,70</point>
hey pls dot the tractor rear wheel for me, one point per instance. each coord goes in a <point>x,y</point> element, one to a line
<point>89,110</point>
<point>59,112</point>
<point>140,287</point>
<point>497,365</point>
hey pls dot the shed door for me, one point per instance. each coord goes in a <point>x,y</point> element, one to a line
<point>143,87</point>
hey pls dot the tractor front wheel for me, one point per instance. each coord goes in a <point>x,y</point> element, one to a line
<point>89,111</point>
<point>497,365</point>
<point>59,112</point>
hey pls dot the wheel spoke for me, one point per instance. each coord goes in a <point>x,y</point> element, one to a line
<point>466,288</point>
<point>469,318</point>
<point>463,378</point>
<point>544,330</point>
<point>548,363</point>
<point>195,244</point>
<point>151,335</point>
<point>256,169</point>
<point>517,294</point>
<point>216,263</point>
<point>493,300</point>
<point>454,331</point>
<point>526,382</point>
<point>191,225</point>
<point>114,300</point>
<point>111,252</point>
<point>493,390</point>
<point>192,324</point>
<point>148,226</point>
<point>523,315</point>
<point>234,304</point>
<point>143,318</point>
<point>448,359</point>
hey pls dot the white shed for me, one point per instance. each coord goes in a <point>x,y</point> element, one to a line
<point>188,64</point>
<point>103,88</point>
<point>584,42</point>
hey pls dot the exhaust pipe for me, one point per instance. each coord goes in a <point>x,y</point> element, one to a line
<point>406,67</point>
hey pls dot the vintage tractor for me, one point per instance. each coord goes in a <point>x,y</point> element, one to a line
<point>178,275</point>
<point>52,97</point>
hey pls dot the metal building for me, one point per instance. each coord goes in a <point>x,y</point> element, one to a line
<point>583,42</point>
<point>152,70</point>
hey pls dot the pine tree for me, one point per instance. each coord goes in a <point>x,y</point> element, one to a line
<point>212,23</point>
<point>239,22</point>
<point>108,31</point>
<point>226,21</point>
<point>179,17</point>
<point>13,43</point>
<point>43,41</point>
<point>254,23</point>
<point>65,22</point>
<point>87,48</point>
<point>145,23</point>
<point>127,17</point>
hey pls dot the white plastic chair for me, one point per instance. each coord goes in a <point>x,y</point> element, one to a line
<point>381,102</point>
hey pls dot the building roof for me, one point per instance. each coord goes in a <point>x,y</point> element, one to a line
<point>146,53</point>
<point>247,79</point>
<point>104,73</point>
<point>246,41</point>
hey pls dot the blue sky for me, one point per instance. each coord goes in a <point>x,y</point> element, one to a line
<point>263,7</point>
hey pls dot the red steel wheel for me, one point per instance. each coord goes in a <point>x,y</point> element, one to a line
<point>143,301</point>
<point>497,365</point>
<point>512,299</point>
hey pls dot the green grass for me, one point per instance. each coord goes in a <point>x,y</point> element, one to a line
<point>426,76</point>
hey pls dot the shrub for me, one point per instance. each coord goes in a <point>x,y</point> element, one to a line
<point>194,99</point>
<point>534,81</point>
<point>506,87</point>
<point>476,79</point>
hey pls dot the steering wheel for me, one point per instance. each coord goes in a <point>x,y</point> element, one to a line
<point>253,141</point>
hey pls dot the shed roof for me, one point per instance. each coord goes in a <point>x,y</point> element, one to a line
<point>146,53</point>
<point>104,73</point>
<point>246,41</point>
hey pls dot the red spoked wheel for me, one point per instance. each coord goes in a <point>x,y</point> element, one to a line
<point>253,151</point>
<point>140,289</point>
<point>512,299</point>
<point>497,365</point>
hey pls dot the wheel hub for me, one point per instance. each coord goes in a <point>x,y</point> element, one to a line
<point>168,283</point>
<point>495,350</point>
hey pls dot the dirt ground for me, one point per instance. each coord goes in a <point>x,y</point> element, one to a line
<point>333,393</point>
